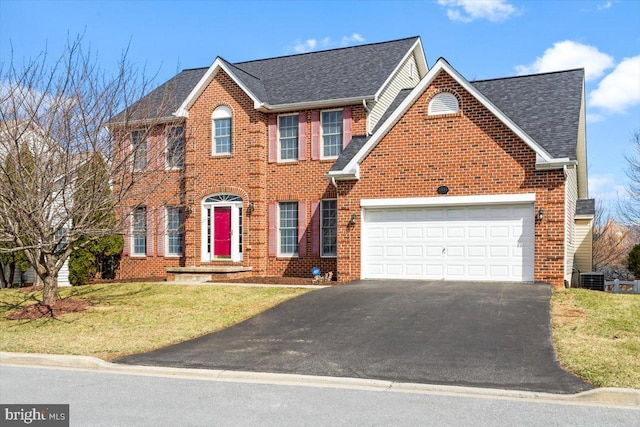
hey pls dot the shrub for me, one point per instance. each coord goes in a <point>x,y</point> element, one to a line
<point>633,262</point>
<point>99,256</point>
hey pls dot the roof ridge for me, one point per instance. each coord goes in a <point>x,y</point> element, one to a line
<point>528,75</point>
<point>238,68</point>
<point>326,50</point>
<point>193,69</point>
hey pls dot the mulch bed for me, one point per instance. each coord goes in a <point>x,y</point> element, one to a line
<point>58,308</point>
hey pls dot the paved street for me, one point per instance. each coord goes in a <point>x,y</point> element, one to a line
<point>493,335</point>
<point>103,399</point>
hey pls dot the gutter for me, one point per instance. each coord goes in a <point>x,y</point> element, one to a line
<point>265,107</point>
<point>560,163</point>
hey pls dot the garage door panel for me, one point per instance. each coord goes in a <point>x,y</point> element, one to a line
<point>415,232</point>
<point>476,251</point>
<point>394,251</point>
<point>455,232</point>
<point>466,243</point>
<point>476,231</point>
<point>415,251</point>
<point>455,251</point>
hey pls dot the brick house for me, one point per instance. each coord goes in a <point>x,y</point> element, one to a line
<point>365,162</point>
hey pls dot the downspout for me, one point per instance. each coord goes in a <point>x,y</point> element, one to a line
<point>333,181</point>
<point>368,110</point>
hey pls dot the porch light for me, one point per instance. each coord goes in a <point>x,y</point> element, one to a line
<point>539,214</point>
<point>250,208</point>
<point>352,221</point>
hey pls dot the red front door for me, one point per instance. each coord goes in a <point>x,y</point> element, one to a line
<point>222,232</point>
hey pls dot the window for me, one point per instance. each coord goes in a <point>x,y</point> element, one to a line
<point>329,228</point>
<point>139,231</point>
<point>288,137</point>
<point>175,148</point>
<point>443,103</point>
<point>331,133</point>
<point>288,228</point>
<point>174,230</point>
<point>222,130</point>
<point>139,149</point>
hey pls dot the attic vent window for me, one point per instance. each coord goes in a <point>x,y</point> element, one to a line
<point>443,103</point>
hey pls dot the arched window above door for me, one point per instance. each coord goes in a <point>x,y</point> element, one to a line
<point>220,198</point>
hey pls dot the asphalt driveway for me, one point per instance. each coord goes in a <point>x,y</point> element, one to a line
<point>494,335</point>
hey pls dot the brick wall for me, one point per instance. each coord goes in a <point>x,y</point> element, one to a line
<point>473,153</point>
<point>246,173</point>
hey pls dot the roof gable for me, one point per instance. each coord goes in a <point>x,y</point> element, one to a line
<point>351,167</point>
<point>338,75</point>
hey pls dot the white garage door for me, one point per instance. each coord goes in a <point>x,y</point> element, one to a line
<point>486,243</point>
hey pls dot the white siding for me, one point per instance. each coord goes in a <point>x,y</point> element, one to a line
<point>570,200</point>
<point>63,274</point>
<point>29,276</point>
<point>401,80</point>
<point>584,245</point>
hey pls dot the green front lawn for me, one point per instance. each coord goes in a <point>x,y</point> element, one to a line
<point>133,317</point>
<point>597,336</point>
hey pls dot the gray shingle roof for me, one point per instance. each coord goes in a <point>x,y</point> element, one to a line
<point>586,207</point>
<point>545,106</point>
<point>356,143</point>
<point>164,100</point>
<point>350,72</point>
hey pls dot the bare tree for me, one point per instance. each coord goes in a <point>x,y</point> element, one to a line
<point>611,240</point>
<point>629,208</point>
<point>54,127</point>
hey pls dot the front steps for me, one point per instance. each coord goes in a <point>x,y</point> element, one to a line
<point>206,273</point>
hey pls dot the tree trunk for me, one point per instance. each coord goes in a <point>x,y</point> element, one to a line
<point>50,291</point>
<point>3,280</point>
<point>12,273</point>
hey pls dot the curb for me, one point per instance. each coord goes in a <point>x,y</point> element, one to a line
<point>605,396</point>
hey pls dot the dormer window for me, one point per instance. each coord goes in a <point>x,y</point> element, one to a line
<point>443,103</point>
<point>221,129</point>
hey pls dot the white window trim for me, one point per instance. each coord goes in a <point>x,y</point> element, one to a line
<point>322,255</point>
<point>221,112</point>
<point>132,241</point>
<point>168,254</point>
<point>322,156</point>
<point>296,254</point>
<point>278,138</point>
<point>166,150</point>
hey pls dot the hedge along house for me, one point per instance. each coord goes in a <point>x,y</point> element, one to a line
<point>364,162</point>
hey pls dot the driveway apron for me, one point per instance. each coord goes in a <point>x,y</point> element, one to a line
<point>494,335</point>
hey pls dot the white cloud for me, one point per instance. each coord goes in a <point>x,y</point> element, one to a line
<point>620,89</point>
<point>305,46</point>
<point>604,6</point>
<point>568,54</point>
<point>605,188</point>
<point>493,10</point>
<point>326,43</point>
<point>353,38</point>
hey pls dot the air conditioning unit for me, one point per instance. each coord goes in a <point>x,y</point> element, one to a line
<point>593,281</point>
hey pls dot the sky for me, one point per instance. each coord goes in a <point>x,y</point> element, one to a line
<point>482,39</point>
